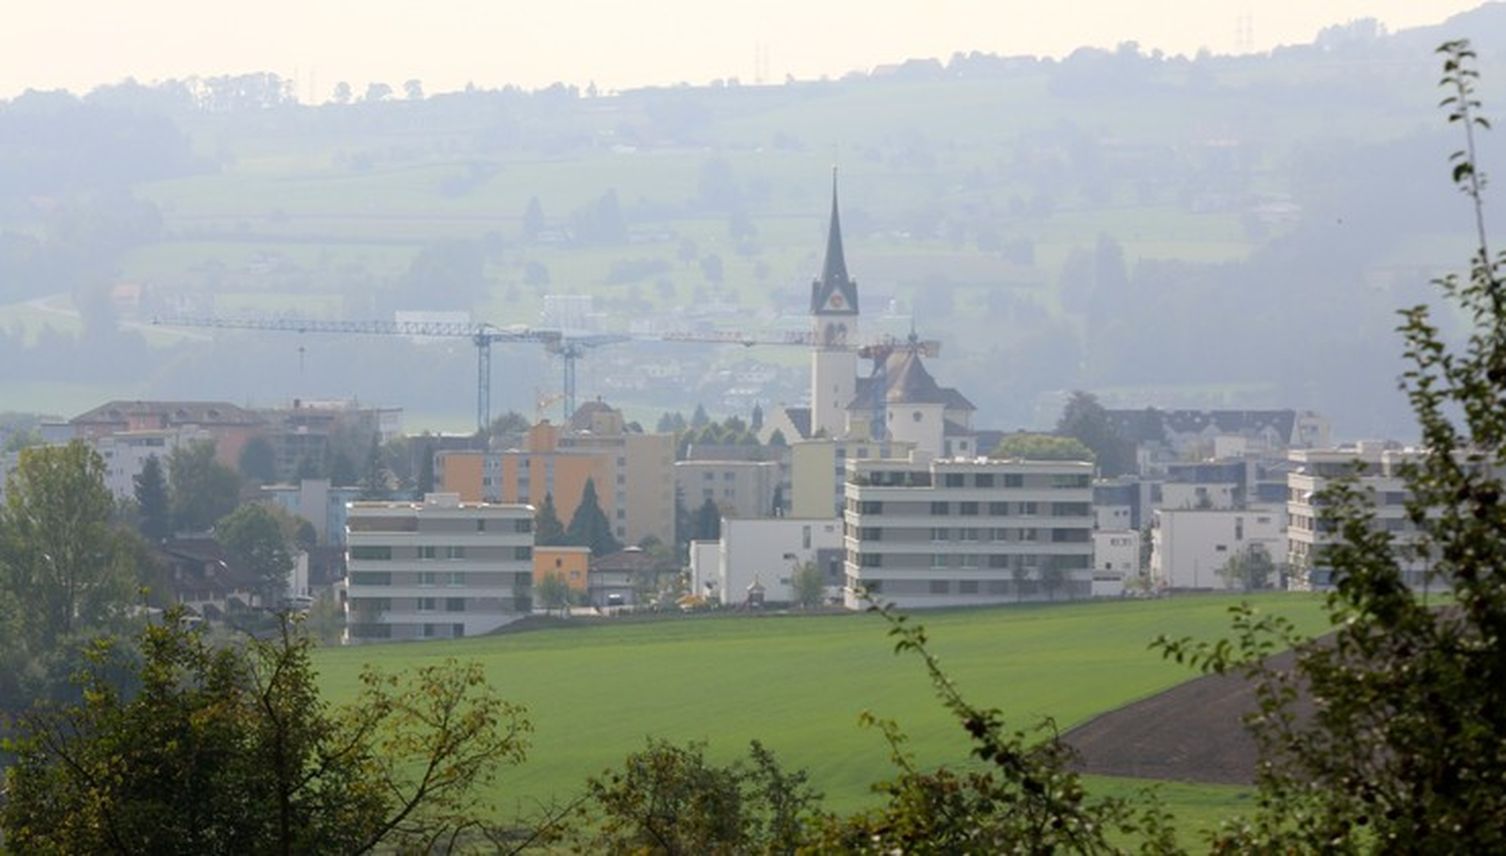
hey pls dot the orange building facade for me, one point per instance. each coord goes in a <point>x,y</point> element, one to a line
<point>527,477</point>
<point>633,474</point>
<point>571,563</point>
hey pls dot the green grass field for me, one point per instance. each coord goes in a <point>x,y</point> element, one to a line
<point>798,683</point>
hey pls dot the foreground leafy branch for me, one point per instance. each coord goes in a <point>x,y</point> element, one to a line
<point>1390,734</point>
<point>231,750</point>
<point>1026,799</point>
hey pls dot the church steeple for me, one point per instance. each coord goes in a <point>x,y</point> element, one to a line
<point>834,329</point>
<point>834,293</point>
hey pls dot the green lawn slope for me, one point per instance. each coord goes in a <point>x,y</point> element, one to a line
<point>798,683</point>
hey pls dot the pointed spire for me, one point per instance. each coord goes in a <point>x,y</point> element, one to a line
<point>834,293</point>
<point>834,270</point>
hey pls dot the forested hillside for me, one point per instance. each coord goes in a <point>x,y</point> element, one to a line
<point>1229,231</point>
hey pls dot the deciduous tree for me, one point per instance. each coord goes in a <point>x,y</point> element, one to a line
<point>258,461</point>
<point>202,489</point>
<point>1249,569</point>
<point>1085,419</point>
<point>1041,447</point>
<point>669,799</point>
<point>61,559</point>
<point>255,538</point>
<point>808,585</point>
<point>1405,748</point>
<point>553,592</point>
<point>230,750</point>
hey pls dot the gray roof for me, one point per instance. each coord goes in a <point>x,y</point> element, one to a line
<point>580,420</point>
<point>1151,425</point>
<point>800,417</point>
<point>908,382</point>
<point>168,413</point>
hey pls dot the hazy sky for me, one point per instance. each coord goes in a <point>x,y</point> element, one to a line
<point>77,44</point>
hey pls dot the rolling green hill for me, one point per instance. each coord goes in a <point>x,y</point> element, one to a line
<point>798,683</point>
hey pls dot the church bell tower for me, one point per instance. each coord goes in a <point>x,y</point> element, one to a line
<point>834,323</point>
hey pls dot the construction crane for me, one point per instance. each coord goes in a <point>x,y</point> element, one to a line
<point>876,348</point>
<point>570,347</point>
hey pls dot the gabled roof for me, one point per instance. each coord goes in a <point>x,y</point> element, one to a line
<point>169,413</point>
<point>908,381</point>
<point>800,418</point>
<point>201,564</point>
<point>834,293</point>
<point>1152,425</point>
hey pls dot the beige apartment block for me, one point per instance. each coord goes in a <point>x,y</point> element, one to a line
<point>922,533</point>
<point>436,569</point>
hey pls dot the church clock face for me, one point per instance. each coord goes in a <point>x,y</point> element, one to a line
<point>836,301</point>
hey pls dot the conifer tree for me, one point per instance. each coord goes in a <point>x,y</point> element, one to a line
<point>376,481</point>
<point>589,527</point>
<point>708,522</point>
<point>548,531</point>
<point>151,498</point>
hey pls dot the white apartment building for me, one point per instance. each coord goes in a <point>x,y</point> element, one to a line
<point>125,453</point>
<point>1116,558</point>
<point>925,533</point>
<point>1190,546</point>
<point>437,569</point>
<point>1313,470</point>
<point>767,552</point>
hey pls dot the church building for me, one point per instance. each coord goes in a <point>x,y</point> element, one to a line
<point>898,404</point>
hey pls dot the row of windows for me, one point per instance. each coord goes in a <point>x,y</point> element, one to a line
<point>410,524</point>
<point>370,552</point>
<point>996,561</point>
<point>993,509</point>
<point>921,478</point>
<point>384,631</point>
<point>986,533</point>
<point>375,606</point>
<point>426,579</point>
<point>940,535</point>
<point>1023,587</point>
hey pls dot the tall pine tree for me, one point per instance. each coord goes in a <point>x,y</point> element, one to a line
<point>151,498</point>
<point>548,531</point>
<point>708,522</point>
<point>589,527</point>
<point>376,481</point>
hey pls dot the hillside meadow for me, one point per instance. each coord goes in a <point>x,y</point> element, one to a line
<point>798,683</point>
